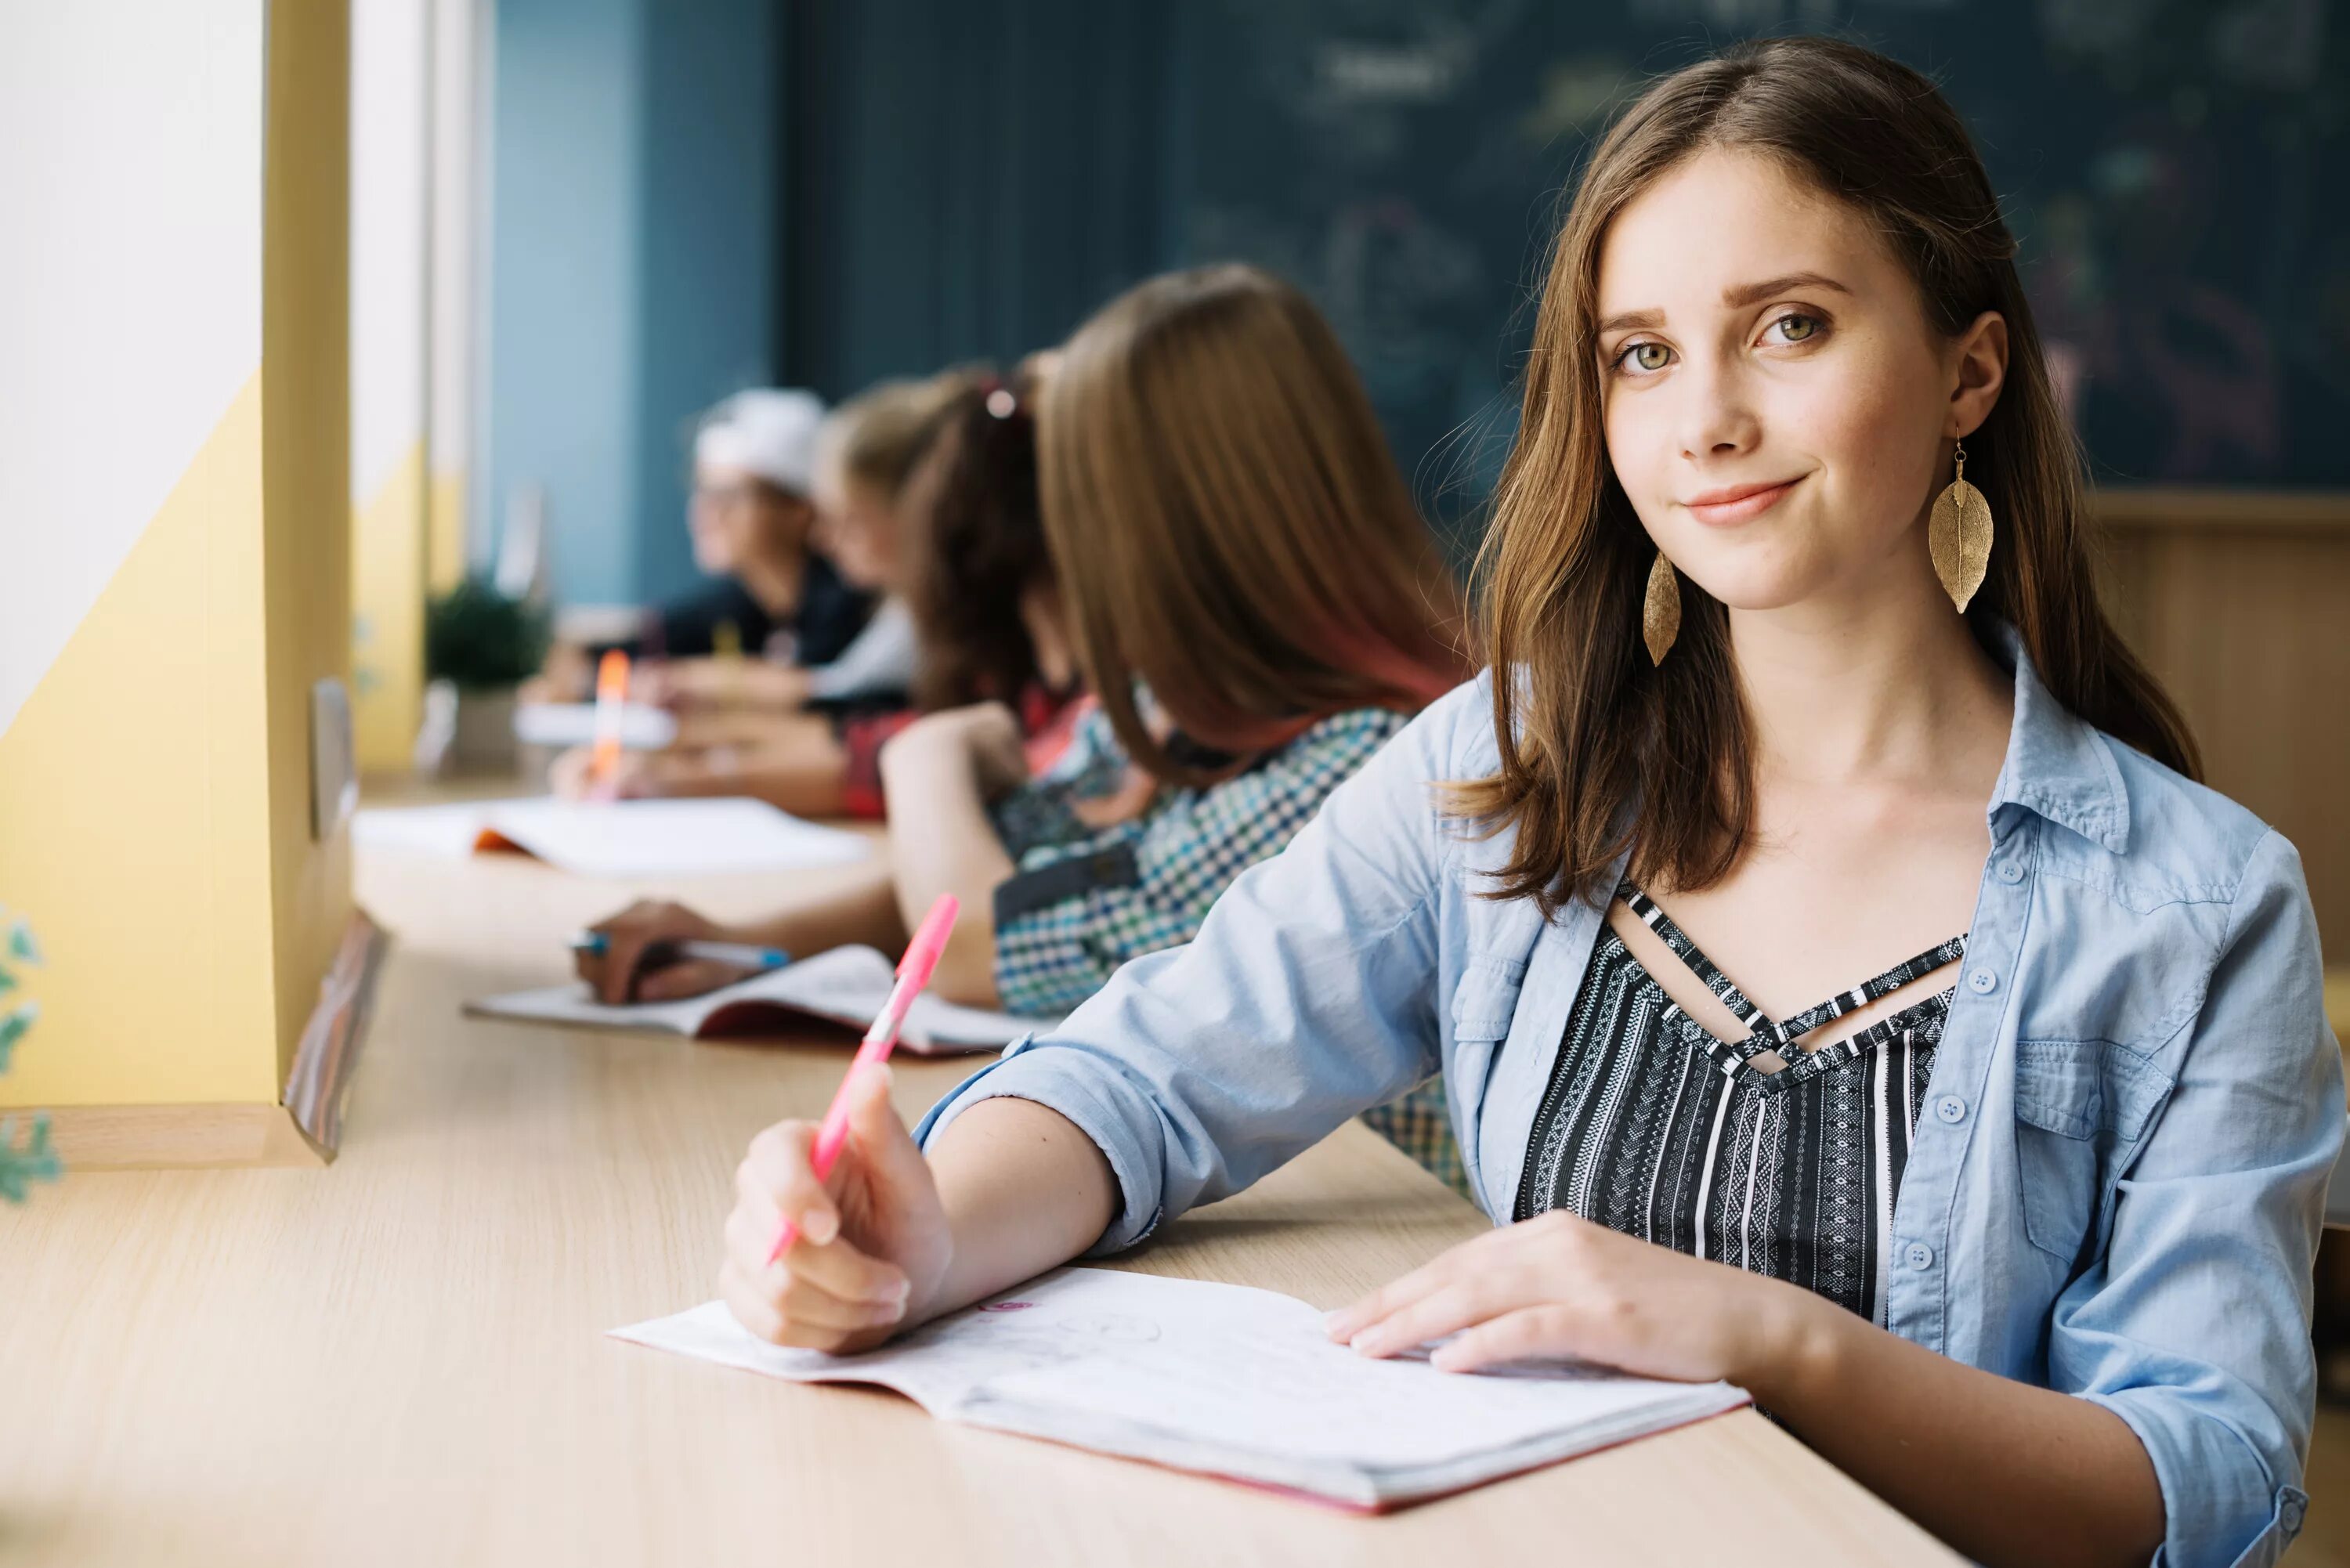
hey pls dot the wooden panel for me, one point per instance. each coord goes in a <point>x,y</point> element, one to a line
<point>150,1137</point>
<point>2239,603</point>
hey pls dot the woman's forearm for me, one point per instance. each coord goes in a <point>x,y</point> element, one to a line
<point>1024,1189</point>
<point>2001,1471</point>
<point>940,841</point>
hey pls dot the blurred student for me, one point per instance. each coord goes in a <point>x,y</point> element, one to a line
<point>865,451</point>
<point>1239,577</point>
<point>787,732</point>
<point>751,517</point>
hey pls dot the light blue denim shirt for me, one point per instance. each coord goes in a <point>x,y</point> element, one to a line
<point>2117,1191</point>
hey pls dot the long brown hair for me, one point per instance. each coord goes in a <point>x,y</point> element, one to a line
<point>1599,751</point>
<point>978,547</point>
<point>1227,525</point>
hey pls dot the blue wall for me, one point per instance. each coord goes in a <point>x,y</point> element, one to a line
<point>565,281</point>
<point>706,289</point>
<point>632,266</point>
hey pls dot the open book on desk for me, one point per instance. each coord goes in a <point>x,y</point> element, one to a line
<point>1223,1379</point>
<point>617,838</point>
<point>845,985</point>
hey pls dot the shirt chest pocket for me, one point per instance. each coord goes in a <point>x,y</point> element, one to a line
<point>2081,1107</point>
<point>1484,1003</point>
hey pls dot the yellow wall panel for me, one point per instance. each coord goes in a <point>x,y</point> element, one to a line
<point>306,375</point>
<point>445,532</point>
<point>134,820</point>
<point>389,546</point>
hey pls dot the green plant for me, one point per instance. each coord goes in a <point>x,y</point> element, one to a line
<point>480,639</point>
<point>21,1164</point>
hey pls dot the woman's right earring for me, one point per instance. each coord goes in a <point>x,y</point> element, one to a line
<point>1660,616</point>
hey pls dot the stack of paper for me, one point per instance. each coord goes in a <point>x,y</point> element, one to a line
<point>1223,1379</point>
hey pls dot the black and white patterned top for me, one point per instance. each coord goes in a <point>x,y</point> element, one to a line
<point>1749,1152</point>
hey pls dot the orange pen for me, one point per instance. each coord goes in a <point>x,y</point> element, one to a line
<point>611,700</point>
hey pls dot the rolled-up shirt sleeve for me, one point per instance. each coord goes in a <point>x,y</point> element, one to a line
<point>2194,1327</point>
<point>1306,998</point>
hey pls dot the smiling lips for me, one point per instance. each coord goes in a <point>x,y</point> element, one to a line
<point>1736,502</point>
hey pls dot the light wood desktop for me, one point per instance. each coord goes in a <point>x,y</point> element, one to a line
<point>401,1359</point>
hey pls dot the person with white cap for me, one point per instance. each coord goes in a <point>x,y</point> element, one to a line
<point>755,460</point>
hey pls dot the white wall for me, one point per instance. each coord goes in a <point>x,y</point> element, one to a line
<point>388,257</point>
<point>130,284</point>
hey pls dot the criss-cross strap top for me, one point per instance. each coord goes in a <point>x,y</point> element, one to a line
<point>1753,1151</point>
<point>1765,1048</point>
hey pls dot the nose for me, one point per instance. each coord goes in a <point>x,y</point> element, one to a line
<point>1718,413</point>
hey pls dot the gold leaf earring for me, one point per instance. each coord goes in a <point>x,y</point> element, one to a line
<point>1959,536</point>
<point>1660,616</point>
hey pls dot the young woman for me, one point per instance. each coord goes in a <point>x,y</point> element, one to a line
<point>1240,577</point>
<point>2016,1225</point>
<point>978,586</point>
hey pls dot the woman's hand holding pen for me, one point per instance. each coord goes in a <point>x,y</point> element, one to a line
<point>873,1241</point>
<point>1559,1286</point>
<point>619,972</point>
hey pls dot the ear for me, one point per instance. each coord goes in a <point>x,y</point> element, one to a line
<point>1978,371</point>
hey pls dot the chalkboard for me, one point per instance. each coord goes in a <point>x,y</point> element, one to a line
<point>2172,170</point>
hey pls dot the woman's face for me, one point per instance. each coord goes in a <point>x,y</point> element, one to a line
<point>735,517</point>
<point>1777,407</point>
<point>856,527</point>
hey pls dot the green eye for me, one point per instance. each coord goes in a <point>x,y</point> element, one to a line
<point>1795,328</point>
<point>1647,356</point>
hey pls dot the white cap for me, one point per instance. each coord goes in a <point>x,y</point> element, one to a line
<point>769,431</point>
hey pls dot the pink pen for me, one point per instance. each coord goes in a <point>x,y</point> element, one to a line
<point>913,973</point>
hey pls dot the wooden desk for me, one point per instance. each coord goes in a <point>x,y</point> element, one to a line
<point>400,1359</point>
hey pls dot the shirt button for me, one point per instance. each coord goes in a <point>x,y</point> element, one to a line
<point>1920,1256</point>
<point>1951,1109</point>
<point>1981,982</point>
<point>2010,872</point>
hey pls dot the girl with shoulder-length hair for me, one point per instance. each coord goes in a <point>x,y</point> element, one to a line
<point>1996,1173</point>
<point>1192,512</point>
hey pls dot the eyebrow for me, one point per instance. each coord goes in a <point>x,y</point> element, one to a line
<point>1744,294</point>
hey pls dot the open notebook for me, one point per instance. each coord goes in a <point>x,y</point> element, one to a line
<point>1223,1379</point>
<point>847,985</point>
<point>617,838</point>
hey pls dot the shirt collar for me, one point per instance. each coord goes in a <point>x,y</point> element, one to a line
<point>2057,765</point>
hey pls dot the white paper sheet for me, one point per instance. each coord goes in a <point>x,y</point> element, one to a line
<point>643,727</point>
<point>846,984</point>
<point>621,838</point>
<point>1222,1378</point>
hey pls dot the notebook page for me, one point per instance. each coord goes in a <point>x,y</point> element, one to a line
<point>671,837</point>
<point>846,985</point>
<point>1223,1378</point>
<point>447,830</point>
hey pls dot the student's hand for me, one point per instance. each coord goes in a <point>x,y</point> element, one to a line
<point>572,776</point>
<point>616,972</point>
<point>1559,1286</point>
<point>873,1244</point>
<point>984,737</point>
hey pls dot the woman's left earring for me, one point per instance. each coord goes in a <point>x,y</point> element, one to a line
<point>1958,534</point>
<point>1660,616</point>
